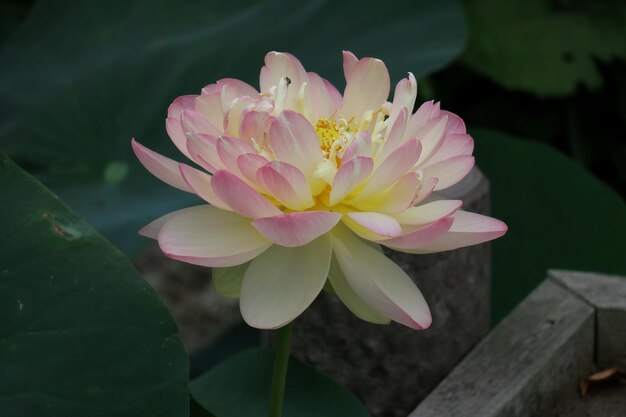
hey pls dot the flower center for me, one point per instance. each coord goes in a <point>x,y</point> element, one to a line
<point>334,135</point>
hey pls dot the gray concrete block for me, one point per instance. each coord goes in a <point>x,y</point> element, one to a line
<point>392,368</point>
<point>530,360</point>
<point>607,294</point>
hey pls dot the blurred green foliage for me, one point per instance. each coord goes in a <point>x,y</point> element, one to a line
<point>547,47</point>
<point>82,334</point>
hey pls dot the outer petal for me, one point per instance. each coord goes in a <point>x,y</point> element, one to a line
<point>429,212</point>
<point>378,223</point>
<point>208,236</point>
<point>450,171</point>
<point>241,197</point>
<point>367,88</point>
<point>349,176</point>
<point>287,184</point>
<point>152,229</point>
<point>294,141</point>
<point>350,298</point>
<point>420,237</point>
<point>381,283</point>
<point>200,183</point>
<point>296,229</point>
<point>468,229</point>
<point>227,281</point>
<point>279,285</point>
<point>160,166</point>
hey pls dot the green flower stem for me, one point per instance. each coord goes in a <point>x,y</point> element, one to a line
<point>279,377</point>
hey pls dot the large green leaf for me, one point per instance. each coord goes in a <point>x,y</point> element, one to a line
<point>559,216</point>
<point>79,79</point>
<point>546,47</point>
<point>81,333</point>
<point>240,387</point>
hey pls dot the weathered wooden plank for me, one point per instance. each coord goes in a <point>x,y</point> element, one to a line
<point>607,294</point>
<point>539,350</point>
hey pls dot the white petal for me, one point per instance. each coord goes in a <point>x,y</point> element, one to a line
<point>279,285</point>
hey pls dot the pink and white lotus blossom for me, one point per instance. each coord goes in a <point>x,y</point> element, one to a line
<point>304,184</point>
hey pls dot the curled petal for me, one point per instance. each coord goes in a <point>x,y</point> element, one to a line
<point>241,197</point>
<point>208,236</point>
<point>432,137</point>
<point>287,184</point>
<point>280,284</point>
<point>349,297</point>
<point>379,282</point>
<point>296,229</point>
<point>367,88</point>
<point>468,229</point>
<point>160,166</point>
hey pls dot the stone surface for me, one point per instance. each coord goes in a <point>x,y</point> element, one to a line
<point>530,362</point>
<point>607,294</point>
<point>200,313</point>
<point>391,368</point>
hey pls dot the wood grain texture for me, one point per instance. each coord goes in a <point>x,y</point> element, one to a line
<point>540,350</point>
<point>607,294</point>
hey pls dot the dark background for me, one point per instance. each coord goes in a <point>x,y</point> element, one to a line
<point>541,85</point>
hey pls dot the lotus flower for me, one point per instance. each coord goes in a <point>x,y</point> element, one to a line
<point>303,185</point>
